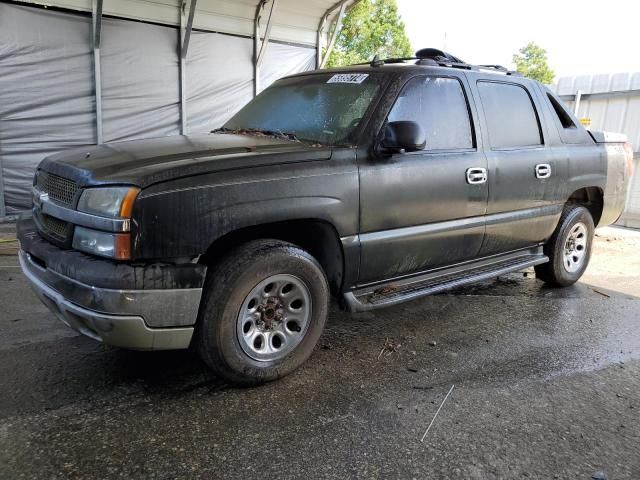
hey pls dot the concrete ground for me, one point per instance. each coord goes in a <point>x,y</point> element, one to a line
<point>547,385</point>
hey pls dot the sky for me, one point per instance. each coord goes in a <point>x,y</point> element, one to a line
<point>581,37</point>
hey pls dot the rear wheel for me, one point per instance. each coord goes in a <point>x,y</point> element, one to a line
<point>264,308</point>
<point>569,248</point>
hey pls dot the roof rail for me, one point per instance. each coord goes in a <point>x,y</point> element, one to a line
<point>434,56</point>
<point>500,68</point>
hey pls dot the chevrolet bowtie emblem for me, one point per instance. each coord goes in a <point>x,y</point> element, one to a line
<point>38,199</point>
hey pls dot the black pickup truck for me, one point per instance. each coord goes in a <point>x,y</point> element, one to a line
<point>374,183</point>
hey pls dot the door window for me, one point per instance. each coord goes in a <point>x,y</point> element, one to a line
<point>439,105</point>
<point>511,117</point>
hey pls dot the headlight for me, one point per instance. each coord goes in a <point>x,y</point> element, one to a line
<point>115,202</point>
<point>105,244</point>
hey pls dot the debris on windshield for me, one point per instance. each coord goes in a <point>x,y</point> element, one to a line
<point>257,132</point>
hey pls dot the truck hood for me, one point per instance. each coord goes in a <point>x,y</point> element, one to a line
<point>149,161</point>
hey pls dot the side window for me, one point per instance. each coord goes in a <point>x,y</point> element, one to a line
<point>440,107</point>
<point>568,127</point>
<point>511,117</point>
<point>561,114</point>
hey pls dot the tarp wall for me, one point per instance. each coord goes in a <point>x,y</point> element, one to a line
<point>46,92</point>
<point>140,75</point>
<point>220,79</point>
<point>47,101</point>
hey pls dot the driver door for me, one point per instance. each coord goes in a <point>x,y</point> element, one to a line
<point>423,210</point>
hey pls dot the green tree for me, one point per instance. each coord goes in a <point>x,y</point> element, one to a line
<point>369,28</point>
<point>531,61</point>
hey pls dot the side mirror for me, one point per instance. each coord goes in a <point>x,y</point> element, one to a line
<point>403,136</point>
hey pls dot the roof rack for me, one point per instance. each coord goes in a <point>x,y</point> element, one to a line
<point>434,56</point>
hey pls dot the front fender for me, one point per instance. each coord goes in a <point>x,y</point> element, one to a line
<point>182,218</point>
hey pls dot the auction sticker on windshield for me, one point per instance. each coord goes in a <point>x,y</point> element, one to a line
<point>348,78</point>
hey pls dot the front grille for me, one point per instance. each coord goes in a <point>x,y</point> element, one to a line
<point>62,190</point>
<point>54,226</point>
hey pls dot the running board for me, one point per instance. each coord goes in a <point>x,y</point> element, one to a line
<point>369,298</point>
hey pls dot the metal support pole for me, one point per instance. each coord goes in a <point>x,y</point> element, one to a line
<point>186,25</point>
<point>260,47</point>
<point>321,59</point>
<point>576,105</point>
<point>3,208</point>
<point>319,43</point>
<point>319,35</point>
<point>267,33</point>
<point>96,23</point>
<point>256,49</point>
<point>334,35</point>
<point>189,27</point>
<point>183,96</point>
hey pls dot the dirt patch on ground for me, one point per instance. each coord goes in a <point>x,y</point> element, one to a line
<point>615,260</point>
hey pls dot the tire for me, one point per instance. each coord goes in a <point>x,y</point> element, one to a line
<point>575,232</point>
<point>251,333</point>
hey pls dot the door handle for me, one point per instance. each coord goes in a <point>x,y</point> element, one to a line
<point>476,175</point>
<point>543,170</point>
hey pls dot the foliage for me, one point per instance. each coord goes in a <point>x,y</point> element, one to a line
<point>531,61</point>
<point>370,27</point>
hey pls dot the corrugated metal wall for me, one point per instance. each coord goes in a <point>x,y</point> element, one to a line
<point>612,103</point>
<point>47,101</point>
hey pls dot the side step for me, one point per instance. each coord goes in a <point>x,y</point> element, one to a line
<point>369,298</point>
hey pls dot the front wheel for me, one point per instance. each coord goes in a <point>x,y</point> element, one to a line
<point>264,308</point>
<point>569,248</point>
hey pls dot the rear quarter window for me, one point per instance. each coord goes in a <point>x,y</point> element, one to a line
<point>511,118</point>
<point>569,128</point>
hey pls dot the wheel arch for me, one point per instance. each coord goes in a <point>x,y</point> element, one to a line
<point>592,198</point>
<point>318,237</point>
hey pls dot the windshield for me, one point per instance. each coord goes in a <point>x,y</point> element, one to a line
<point>323,109</point>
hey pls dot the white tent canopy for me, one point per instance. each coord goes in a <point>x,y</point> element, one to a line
<point>294,21</point>
<point>80,72</point>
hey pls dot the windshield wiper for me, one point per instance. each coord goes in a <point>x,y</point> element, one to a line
<point>259,131</point>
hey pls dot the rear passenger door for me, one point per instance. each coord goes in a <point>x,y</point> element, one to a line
<point>524,175</point>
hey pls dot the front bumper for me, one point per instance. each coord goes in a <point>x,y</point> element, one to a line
<point>128,331</point>
<point>136,318</point>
